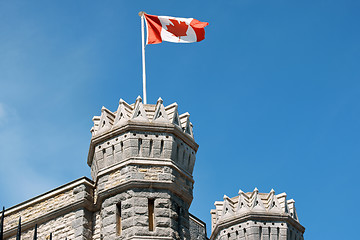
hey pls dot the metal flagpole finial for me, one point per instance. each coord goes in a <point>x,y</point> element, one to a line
<point>141,13</point>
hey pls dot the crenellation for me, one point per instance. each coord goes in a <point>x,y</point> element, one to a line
<point>262,216</point>
<point>148,144</point>
<point>142,158</point>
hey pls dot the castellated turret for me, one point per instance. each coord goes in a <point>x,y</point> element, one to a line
<point>142,158</point>
<point>255,215</point>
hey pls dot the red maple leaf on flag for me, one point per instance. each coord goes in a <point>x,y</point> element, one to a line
<point>178,29</point>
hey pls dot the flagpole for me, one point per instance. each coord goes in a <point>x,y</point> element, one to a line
<point>141,14</point>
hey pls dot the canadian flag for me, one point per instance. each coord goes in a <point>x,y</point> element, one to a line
<point>174,29</point>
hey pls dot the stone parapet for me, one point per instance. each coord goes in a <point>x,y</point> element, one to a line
<point>51,206</point>
<point>61,227</point>
<point>142,146</point>
<point>197,228</point>
<point>256,215</point>
<point>141,131</point>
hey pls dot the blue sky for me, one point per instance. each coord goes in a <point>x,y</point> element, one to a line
<point>273,92</point>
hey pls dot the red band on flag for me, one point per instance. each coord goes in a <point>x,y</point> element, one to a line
<point>199,29</point>
<point>153,29</point>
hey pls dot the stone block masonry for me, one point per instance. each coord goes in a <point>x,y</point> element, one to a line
<point>135,215</point>
<point>142,158</point>
<point>197,228</point>
<point>153,175</point>
<point>60,227</point>
<point>64,211</point>
<point>142,146</point>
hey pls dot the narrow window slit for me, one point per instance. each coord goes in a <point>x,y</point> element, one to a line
<point>269,232</point>
<point>161,146</point>
<point>150,147</point>
<point>118,219</point>
<point>177,153</point>
<point>151,215</point>
<point>178,211</point>
<point>139,145</point>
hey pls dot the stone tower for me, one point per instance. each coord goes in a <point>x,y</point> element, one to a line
<point>142,158</point>
<point>254,215</point>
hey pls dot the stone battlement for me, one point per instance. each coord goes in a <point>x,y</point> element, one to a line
<point>254,202</point>
<point>142,158</point>
<point>140,112</point>
<point>253,210</point>
<point>152,134</point>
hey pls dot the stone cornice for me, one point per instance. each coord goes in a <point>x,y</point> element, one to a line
<point>141,184</point>
<point>144,161</point>
<point>198,221</point>
<point>149,237</point>
<point>83,203</point>
<point>49,194</point>
<point>77,204</point>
